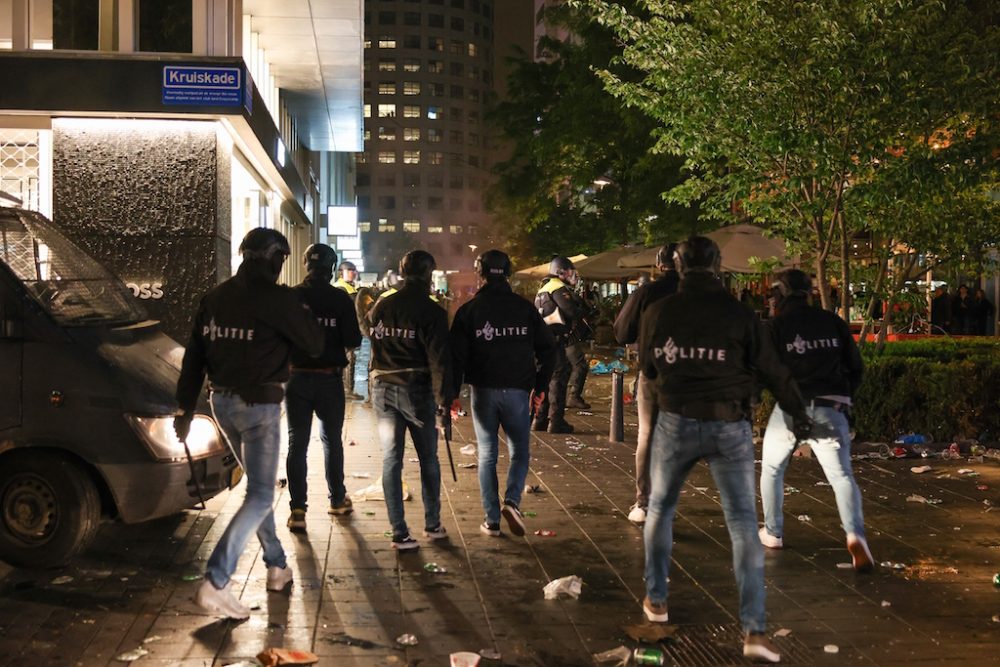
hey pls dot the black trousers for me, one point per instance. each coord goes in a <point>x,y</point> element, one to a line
<point>577,359</point>
<point>554,405</point>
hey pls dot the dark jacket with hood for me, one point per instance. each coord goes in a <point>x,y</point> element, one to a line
<point>627,322</point>
<point>702,346</point>
<point>499,341</point>
<point>818,348</point>
<point>243,335</point>
<point>335,313</point>
<point>409,335</point>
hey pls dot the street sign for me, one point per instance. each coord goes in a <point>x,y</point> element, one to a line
<point>202,86</point>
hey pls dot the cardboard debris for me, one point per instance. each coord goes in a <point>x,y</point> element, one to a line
<point>783,632</point>
<point>571,586</point>
<point>650,632</point>
<point>130,656</point>
<point>919,470</point>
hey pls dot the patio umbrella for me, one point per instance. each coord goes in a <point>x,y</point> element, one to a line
<point>738,244</point>
<point>542,270</point>
<point>605,265</point>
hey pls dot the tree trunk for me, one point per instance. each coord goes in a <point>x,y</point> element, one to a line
<point>897,287</point>
<point>845,271</point>
<point>876,288</point>
<point>824,292</point>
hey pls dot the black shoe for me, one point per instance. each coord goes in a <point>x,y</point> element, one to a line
<point>577,402</point>
<point>540,425</point>
<point>560,427</point>
<point>515,520</point>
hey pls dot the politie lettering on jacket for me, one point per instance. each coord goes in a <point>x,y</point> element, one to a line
<point>213,332</point>
<point>671,353</point>
<point>328,322</point>
<point>801,346</point>
<point>380,331</point>
<point>489,332</point>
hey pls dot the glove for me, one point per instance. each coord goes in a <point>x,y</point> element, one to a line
<point>802,428</point>
<point>536,399</point>
<point>182,425</point>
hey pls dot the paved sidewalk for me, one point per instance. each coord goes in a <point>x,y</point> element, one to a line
<point>353,595</point>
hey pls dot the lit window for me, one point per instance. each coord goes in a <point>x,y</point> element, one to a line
<point>411,157</point>
<point>411,88</point>
<point>435,230</point>
<point>472,49</point>
<point>432,112</point>
<point>386,42</point>
<point>386,228</point>
<point>367,135</point>
<point>368,111</point>
<point>386,87</point>
<point>435,67</point>
<point>434,136</point>
<point>411,65</point>
<point>457,47</point>
<point>411,225</point>
<point>361,158</point>
<point>387,111</point>
<point>411,134</point>
<point>435,44</point>
<point>365,226</point>
<point>368,44</point>
<point>387,157</point>
<point>411,111</point>
<point>435,157</point>
<point>455,229</point>
<point>435,89</point>
<point>387,133</point>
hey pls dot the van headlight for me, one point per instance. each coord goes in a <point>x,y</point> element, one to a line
<point>158,433</point>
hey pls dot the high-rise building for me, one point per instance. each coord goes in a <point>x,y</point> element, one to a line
<point>429,78</point>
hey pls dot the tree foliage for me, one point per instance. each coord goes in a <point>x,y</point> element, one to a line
<point>565,131</point>
<point>822,118</point>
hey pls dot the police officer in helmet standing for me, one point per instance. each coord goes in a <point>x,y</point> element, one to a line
<point>627,332</point>
<point>411,391</point>
<point>559,309</point>
<point>819,349</point>
<point>703,351</point>
<point>243,335</point>
<point>346,282</point>
<point>505,351</point>
<point>317,386</point>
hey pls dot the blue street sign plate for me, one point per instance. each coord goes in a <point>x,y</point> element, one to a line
<point>202,86</point>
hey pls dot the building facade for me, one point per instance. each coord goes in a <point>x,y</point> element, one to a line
<point>429,79</point>
<point>156,133</point>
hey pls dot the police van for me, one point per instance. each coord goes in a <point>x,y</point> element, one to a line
<point>86,403</point>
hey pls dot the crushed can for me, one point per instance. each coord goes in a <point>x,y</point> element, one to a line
<point>649,656</point>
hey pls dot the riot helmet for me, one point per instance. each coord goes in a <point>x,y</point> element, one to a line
<point>665,257</point>
<point>319,257</point>
<point>698,254</point>
<point>348,268</point>
<point>563,269</point>
<point>417,266</point>
<point>494,265</point>
<point>268,246</point>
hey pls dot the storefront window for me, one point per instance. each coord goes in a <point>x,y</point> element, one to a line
<point>165,26</point>
<point>75,24</point>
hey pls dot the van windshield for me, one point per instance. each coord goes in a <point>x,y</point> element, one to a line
<point>70,285</point>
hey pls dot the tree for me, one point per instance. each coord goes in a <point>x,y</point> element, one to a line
<point>580,176</point>
<point>803,114</point>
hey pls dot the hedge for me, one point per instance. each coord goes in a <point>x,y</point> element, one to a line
<point>947,389</point>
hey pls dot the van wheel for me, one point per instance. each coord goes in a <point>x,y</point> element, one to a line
<point>50,510</point>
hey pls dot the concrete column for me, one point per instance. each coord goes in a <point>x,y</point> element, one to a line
<point>127,42</point>
<point>21,25</point>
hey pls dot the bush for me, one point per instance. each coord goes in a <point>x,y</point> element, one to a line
<point>943,388</point>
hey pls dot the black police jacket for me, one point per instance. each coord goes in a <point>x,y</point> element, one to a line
<point>335,313</point>
<point>242,338</point>
<point>499,341</point>
<point>409,336</point>
<point>701,345</point>
<point>627,322</point>
<point>818,348</point>
<point>559,307</point>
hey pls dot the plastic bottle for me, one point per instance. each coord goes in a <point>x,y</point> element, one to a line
<point>649,656</point>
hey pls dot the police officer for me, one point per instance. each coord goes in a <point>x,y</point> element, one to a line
<point>411,390</point>
<point>627,332</point>
<point>346,282</point>
<point>317,386</point>
<point>243,335</point>
<point>392,282</point>
<point>505,351</point>
<point>703,351</point>
<point>576,354</point>
<point>559,308</point>
<point>818,348</point>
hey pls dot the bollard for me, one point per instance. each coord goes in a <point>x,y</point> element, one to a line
<point>617,431</point>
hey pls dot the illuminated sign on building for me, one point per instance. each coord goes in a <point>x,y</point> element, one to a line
<point>202,86</point>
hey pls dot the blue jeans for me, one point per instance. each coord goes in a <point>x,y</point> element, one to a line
<point>322,393</point>
<point>679,443</point>
<point>832,447</point>
<point>399,409</point>
<point>491,409</point>
<point>253,433</point>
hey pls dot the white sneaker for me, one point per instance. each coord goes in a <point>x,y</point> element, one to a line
<point>637,515</point>
<point>769,540</point>
<point>278,578</point>
<point>220,602</point>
